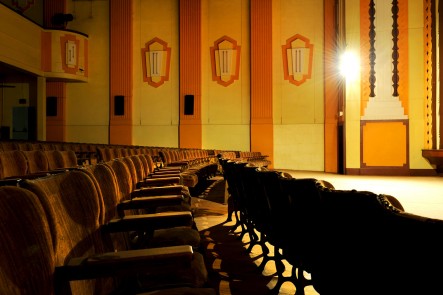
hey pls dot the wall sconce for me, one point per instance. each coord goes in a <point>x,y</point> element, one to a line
<point>225,61</point>
<point>156,57</point>
<point>297,59</point>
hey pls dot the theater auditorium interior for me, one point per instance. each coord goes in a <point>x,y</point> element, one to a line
<point>221,147</point>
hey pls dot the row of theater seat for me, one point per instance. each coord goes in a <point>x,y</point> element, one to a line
<point>107,228</point>
<point>340,242</point>
<point>197,165</point>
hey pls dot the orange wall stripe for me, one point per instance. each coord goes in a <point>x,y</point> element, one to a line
<point>262,135</point>
<point>261,61</point>
<point>121,79</point>
<point>52,7</point>
<point>190,72</point>
<point>56,125</point>
<point>331,87</point>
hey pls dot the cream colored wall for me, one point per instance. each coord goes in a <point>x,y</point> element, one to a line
<point>20,41</point>
<point>353,94</point>
<point>225,110</point>
<point>298,110</point>
<point>87,104</point>
<point>156,110</point>
<point>416,87</point>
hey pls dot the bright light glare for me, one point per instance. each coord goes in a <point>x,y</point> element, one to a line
<point>349,65</point>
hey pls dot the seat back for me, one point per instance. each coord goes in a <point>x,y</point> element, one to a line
<point>12,164</point>
<point>26,251</point>
<point>69,159</point>
<point>75,213</point>
<point>366,235</point>
<point>55,159</point>
<point>304,216</point>
<point>37,161</point>
<point>124,178</point>
<point>106,182</point>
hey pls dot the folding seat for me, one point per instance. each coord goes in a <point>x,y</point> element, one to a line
<point>170,229</point>
<point>37,161</point>
<point>69,159</point>
<point>143,182</point>
<point>302,246</point>
<point>24,146</point>
<point>55,159</point>
<point>372,247</point>
<point>27,259</point>
<point>154,168</point>
<point>84,249</point>
<point>12,164</point>
<point>8,145</point>
<point>59,160</point>
<point>276,230</point>
<point>127,182</point>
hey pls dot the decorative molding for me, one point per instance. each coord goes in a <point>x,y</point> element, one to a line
<point>225,61</point>
<point>428,55</point>
<point>372,55</point>
<point>156,59</point>
<point>70,51</point>
<point>395,33</point>
<point>297,59</point>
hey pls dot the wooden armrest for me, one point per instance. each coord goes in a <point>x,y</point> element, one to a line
<point>149,203</point>
<point>158,182</point>
<point>165,172</point>
<point>126,262</point>
<point>163,175</point>
<point>150,222</point>
<point>155,191</point>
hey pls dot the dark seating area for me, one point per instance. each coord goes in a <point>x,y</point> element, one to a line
<point>338,241</point>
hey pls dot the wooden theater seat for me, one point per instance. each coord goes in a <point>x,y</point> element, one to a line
<point>84,249</point>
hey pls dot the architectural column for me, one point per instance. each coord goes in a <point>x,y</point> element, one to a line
<point>190,129</point>
<point>120,76</point>
<point>262,129</point>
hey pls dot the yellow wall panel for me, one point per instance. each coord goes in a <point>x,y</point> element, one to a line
<point>87,104</point>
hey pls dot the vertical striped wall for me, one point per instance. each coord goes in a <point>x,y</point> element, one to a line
<point>262,133</point>
<point>121,62</point>
<point>190,72</point>
<point>56,125</point>
<point>331,88</point>
<point>52,7</point>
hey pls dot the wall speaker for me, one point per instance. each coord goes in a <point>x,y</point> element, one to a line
<point>51,106</point>
<point>119,105</point>
<point>189,104</point>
